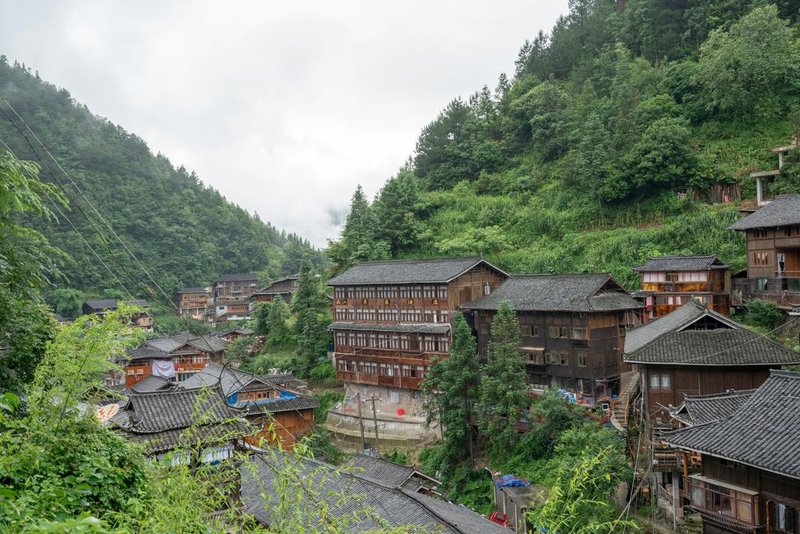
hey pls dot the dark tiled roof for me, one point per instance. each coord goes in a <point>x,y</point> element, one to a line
<point>762,433</point>
<point>682,263</point>
<point>151,383</point>
<point>702,409</point>
<point>164,346</point>
<point>232,380</point>
<point>192,290</point>
<point>569,293</point>
<point>239,277</point>
<point>354,503</point>
<point>407,271</point>
<point>389,472</point>
<point>419,328</point>
<point>298,403</point>
<point>783,211</point>
<point>674,340</point>
<point>146,352</point>
<point>160,417</point>
<point>111,304</point>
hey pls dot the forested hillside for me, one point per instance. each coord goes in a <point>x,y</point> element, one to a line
<point>184,232</point>
<point>602,147</point>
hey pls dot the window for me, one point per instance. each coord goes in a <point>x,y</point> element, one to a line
<point>564,358</point>
<point>784,518</point>
<point>701,276</point>
<point>558,331</point>
<point>525,330</point>
<point>536,357</point>
<point>654,277</point>
<point>787,232</point>
<point>761,258</point>
<point>579,332</point>
<point>583,359</point>
<point>394,397</point>
<point>660,381</point>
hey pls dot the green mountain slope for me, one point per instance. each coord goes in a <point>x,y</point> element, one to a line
<point>183,232</point>
<point>604,147</point>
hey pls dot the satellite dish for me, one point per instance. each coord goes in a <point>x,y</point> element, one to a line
<point>104,413</point>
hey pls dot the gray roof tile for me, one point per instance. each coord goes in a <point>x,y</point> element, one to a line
<point>762,433</point>
<point>408,271</point>
<point>389,472</point>
<point>567,292</point>
<point>694,335</point>
<point>682,263</point>
<point>702,409</point>
<point>361,503</point>
<point>783,211</point>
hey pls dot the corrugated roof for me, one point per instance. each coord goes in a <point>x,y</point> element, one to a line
<point>413,328</point>
<point>564,292</point>
<point>356,503</point>
<point>782,211</point>
<point>408,271</point>
<point>682,263</point>
<point>695,335</point>
<point>702,409</point>
<point>762,433</point>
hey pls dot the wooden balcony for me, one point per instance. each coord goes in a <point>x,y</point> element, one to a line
<point>400,382</point>
<point>406,357</point>
<point>783,291</point>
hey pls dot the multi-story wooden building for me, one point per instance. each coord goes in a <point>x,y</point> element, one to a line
<point>773,254</point>
<point>283,288</point>
<point>174,357</point>
<point>193,302</point>
<point>668,282</point>
<point>572,329</point>
<point>100,307</point>
<point>391,318</point>
<point>749,477</point>
<point>232,294</point>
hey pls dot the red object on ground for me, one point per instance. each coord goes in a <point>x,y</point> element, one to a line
<point>500,518</point>
<point>401,411</point>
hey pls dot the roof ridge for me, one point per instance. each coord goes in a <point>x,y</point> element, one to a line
<point>722,395</point>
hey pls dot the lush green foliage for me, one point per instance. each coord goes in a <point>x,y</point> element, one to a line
<point>762,314</point>
<point>504,394</point>
<point>310,306</point>
<point>451,388</point>
<point>185,233</point>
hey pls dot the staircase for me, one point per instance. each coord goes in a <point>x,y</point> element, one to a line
<point>630,387</point>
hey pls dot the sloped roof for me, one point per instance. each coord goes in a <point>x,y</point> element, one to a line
<point>112,304</point>
<point>161,347</point>
<point>408,271</point>
<point>192,290</point>
<point>784,210</point>
<point>682,263</point>
<point>563,292</point>
<point>762,433</point>
<point>232,380</point>
<point>151,383</point>
<point>293,404</point>
<point>159,418</point>
<point>361,503</point>
<point>702,409</point>
<point>389,472</point>
<point>237,277</point>
<point>268,291</point>
<point>418,328</point>
<point>694,335</point>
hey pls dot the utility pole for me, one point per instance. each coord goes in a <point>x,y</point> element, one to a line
<point>361,423</point>
<point>373,400</point>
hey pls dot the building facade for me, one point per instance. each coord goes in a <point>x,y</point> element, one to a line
<point>391,319</point>
<point>283,288</point>
<point>773,254</point>
<point>572,329</point>
<point>668,282</point>
<point>99,307</point>
<point>193,302</point>
<point>232,293</point>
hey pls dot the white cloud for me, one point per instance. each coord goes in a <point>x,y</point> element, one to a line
<point>284,108</point>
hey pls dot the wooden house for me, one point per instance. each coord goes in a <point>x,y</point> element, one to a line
<point>283,288</point>
<point>391,319</point>
<point>198,425</point>
<point>697,351</point>
<point>274,404</point>
<point>232,293</point>
<point>174,357</point>
<point>749,477</point>
<point>193,302</point>
<point>668,282</point>
<point>773,254</point>
<point>100,307</point>
<point>572,329</point>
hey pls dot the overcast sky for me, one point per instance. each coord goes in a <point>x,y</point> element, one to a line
<point>283,107</point>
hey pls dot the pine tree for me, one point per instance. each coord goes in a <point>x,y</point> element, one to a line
<point>452,390</point>
<point>503,391</point>
<point>358,241</point>
<point>310,327</point>
<point>277,326</point>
